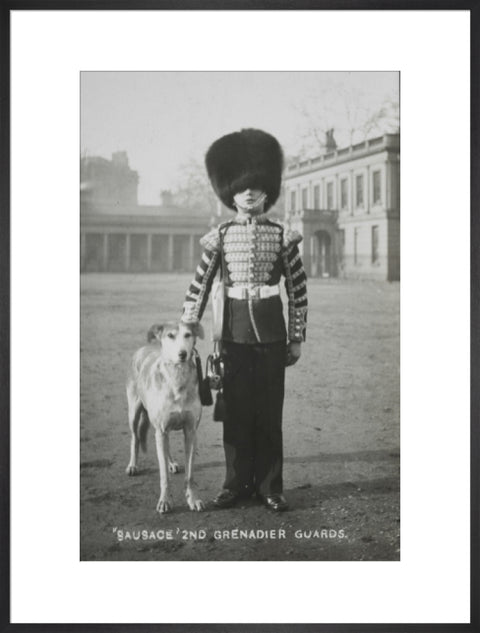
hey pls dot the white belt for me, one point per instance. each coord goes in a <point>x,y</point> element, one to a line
<point>255,292</point>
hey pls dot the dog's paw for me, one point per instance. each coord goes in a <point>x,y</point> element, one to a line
<point>173,467</point>
<point>198,505</point>
<point>131,470</point>
<point>194,503</point>
<point>164,505</point>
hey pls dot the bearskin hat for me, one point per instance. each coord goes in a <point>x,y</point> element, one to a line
<point>247,159</point>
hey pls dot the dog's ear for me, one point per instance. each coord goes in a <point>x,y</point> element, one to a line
<point>197,329</point>
<point>155,333</point>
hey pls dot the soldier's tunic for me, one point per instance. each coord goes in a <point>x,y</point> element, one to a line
<point>253,254</point>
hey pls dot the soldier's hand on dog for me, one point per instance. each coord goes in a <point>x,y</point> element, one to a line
<point>294,351</point>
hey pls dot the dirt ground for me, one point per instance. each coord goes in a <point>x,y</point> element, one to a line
<point>341,435</point>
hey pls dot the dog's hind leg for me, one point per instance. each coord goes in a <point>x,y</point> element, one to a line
<point>142,430</point>
<point>165,501</point>
<point>135,410</point>
<point>173,466</point>
<point>191,493</point>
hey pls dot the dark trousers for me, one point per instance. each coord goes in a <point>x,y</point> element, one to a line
<point>252,429</point>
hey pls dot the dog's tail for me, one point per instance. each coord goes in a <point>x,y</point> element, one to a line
<point>142,429</point>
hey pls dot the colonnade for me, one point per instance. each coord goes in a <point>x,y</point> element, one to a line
<point>103,251</point>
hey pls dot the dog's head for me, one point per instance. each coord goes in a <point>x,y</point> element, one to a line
<point>177,339</point>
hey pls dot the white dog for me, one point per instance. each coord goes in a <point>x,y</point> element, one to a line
<point>162,389</point>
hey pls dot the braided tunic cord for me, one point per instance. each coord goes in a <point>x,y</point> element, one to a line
<point>255,253</point>
<point>296,287</point>
<point>199,290</point>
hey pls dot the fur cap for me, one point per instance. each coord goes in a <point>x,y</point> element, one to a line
<point>247,159</point>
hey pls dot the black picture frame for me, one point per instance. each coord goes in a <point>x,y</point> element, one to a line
<point>109,5</point>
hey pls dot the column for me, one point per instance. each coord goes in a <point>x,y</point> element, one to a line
<point>352,192</point>
<point>127,252</point>
<point>312,268</point>
<point>170,253</point>
<point>367,190</point>
<point>334,252</point>
<point>323,256</point>
<point>149,251</point>
<point>83,251</point>
<point>191,253</point>
<point>105,252</point>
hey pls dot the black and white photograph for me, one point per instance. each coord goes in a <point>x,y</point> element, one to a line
<point>234,373</point>
<point>240,316</point>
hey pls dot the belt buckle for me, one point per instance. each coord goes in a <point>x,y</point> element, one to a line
<point>254,292</point>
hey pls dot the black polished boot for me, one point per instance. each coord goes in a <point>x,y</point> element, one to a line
<point>274,502</point>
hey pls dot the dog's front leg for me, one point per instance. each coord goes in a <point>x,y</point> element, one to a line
<point>194,502</point>
<point>135,412</point>
<point>132,464</point>
<point>161,440</point>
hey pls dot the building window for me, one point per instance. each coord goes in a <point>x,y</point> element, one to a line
<point>316,197</point>
<point>344,193</point>
<point>355,246</point>
<point>377,187</point>
<point>374,244</point>
<point>359,190</point>
<point>329,195</point>
<point>304,198</point>
<point>293,201</point>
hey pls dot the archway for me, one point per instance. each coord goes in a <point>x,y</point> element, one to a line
<point>321,261</point>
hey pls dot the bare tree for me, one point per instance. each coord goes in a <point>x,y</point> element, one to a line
<point>384,119</point>
<point>352,111</point>
<point>194,190</point>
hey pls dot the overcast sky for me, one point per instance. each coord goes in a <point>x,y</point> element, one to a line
<point>164,119</point>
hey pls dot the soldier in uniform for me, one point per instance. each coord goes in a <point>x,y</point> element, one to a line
<point>252,253</point>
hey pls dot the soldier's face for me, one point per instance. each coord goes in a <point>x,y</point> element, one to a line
<point>250,200</point>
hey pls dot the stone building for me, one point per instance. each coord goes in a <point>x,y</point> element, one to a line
<point>118,235</point>
<point>108,182</point>
<point>346,204</point>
